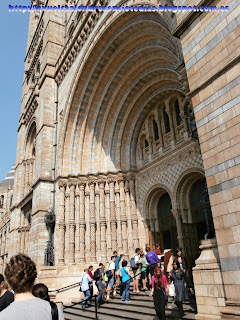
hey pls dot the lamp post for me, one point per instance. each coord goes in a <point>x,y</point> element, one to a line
<point>49,220</point>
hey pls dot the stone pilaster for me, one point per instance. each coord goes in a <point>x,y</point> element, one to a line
<point>82,224</point>
<point>103,223</point>
<point>77,222</point>
<point>118,214</point>
<point>97,212</point>
<point>72,225</point>
<point>61,226</point>
<point>108,217</point>
<point>92,223</point>
<point>134,217</point>
<point>129,221</point>
<point>87,217</point>
<point>23,169</point>
<point>67,215</point>
<point>177,217</point>
<point>123,219</point>
<point>113,216</point>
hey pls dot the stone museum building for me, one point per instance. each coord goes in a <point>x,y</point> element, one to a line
<point>129,134</point>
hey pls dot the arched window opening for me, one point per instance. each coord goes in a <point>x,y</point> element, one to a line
<point>166,121</point>
<point>155,130</point>
<point>177,113</point>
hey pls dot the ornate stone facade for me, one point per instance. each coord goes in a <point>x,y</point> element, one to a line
<point>104,138</point>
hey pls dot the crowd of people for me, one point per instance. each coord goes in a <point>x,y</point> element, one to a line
<point>145,270</point>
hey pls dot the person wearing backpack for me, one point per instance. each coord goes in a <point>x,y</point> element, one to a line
<point>98,276</point>
<point>125,281</point>
<point>136,268</point>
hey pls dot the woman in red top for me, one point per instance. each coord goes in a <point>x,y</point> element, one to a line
<point>159,289</point>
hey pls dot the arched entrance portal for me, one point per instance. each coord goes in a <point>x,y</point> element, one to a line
<point>185,226</point>
<point>167,234</point>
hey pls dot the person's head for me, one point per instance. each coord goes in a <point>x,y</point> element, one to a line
<point>122,256</point>
<point>141,251</point>
<point>179,252</point>
<point>158,246</point>
<point>137,250</point>
<point>1,282</point>
<point>21,273</point>
<point>124,263</point>
<point>142,255</point>
<point>101,265</point>
<point>148,249</point>
<point>41,291</point>
<point>90,268</point>
<point>157,272</point>
<point>176,265</point>
<point>86,270</point>
<point>115,253</point>
<point>113,258</point>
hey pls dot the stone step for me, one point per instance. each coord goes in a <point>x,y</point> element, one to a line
<point>121,310</point>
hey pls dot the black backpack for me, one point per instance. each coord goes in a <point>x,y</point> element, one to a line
<point>96,275</point>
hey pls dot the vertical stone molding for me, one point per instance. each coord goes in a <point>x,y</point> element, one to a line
<point>103,222</point>
<point>208,282</point>
<point>61,260</point>
<point>134,216</point>
<point>108,217</point>
<point>98,228</point>
<point>27,178</point>
<point>67,216</point>
<point>92,222</point>
<point>113,216</point>
<point>82,224</point>
<point>72,225</point>
<point>23,179</point>
<point>177,217</point>
<point>77,222</point>
<point>123,219</point>
<point>87,217</point>
<point>118,215</point>
<point>129,221</point>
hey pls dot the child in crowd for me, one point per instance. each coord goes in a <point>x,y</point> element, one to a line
<point>144,271</point>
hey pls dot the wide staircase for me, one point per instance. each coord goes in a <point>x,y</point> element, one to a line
<point>141,307</point>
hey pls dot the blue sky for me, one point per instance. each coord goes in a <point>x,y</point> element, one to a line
<point>13,35</point>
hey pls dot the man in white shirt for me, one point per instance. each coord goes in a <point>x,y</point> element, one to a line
<point>136,272</point>
<point>111,276</point>
<point>85,287</point>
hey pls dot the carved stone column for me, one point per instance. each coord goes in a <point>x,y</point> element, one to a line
<point>82,224</point>
<point>103,223</point>
<point>27,178</point>
<point>72,225</point>
<point>123,219</point>
<point>134,215</point>
<point>87,217</point>
<point>98,232</point>
<point>77,222</point>
<point>108,217</point>
<point>113,216</point>
<point>129,221</point>
<point>61,225</point>
<point>170,116</point>
<point>92,223</point>
<point>30,173</point>
<point>179,228</point>
<point>118,214</point>
<point>67,216</point>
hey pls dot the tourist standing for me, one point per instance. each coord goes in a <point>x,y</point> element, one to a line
<point>117,271</point>
<point>6,297</point>
<point>181,259</point>
<point>122,257</point>
<point>125,281</point>
<point>21,273</point>
<point>111,276</point>
<point>152,260</point>
<point>144,271</point>
<point>137,271</point>
<point>90,270</point>
<point>159,290</point>
<point>85,288</point>
<point>178,277</point>
<point>100,283</point>
<point>41,291</point>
